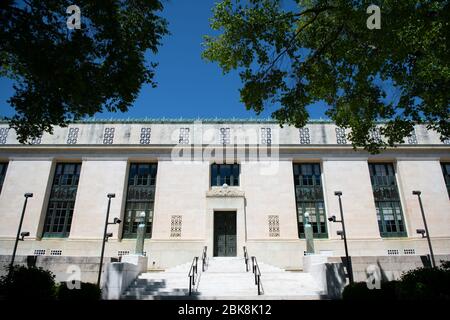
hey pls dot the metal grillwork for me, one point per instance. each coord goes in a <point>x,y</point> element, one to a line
<point>108,136</point>
<point>304,136</point>
<point>341,137</point>
<point>62,200</point>
<point>309,198</point>
<point>3,135</point>
<point>140,198</point>
<point>72,137</point>
<point>266,136</point>
<point>224,174</point>
<point>225,136</point>
<point>446,172</point>
<point>146,134</point>
<point>184,136</point>
<point>387,200</point>
<point>3,167</point>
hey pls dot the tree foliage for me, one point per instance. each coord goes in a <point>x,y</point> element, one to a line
<point>63,75</point>
<point>292,55</point>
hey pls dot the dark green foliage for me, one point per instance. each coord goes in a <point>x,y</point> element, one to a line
<point>63,75</point>
<point>292,55</point>
<point>416,284</point>
<point>426,284</point>
<point>28,283</point>
<point>87,291</point>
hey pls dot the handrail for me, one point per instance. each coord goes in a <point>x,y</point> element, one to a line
<point>192,274</point>
<point>246,258</point>
<point>257,273</point>
<point>204,258</point>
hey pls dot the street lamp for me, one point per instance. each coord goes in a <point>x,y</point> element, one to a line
<point>425,232</point>
<point>106,235</point>
<point>343,235</point>
<point>19,234</point>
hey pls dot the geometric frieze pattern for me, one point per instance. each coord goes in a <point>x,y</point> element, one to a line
<point>184,136</point>
<point>108,136</point>
<point>412,139</point>
<point>3,135</point>
<point>145,135</point>
<point>304,136</point>
<point>266,136</point>
<point>225,136</point>
<point>375,134</point>
<point>72,137</point>
<point>341,137</point>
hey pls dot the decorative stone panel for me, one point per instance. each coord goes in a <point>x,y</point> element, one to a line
<point>304,136</point>
<point>412,139</point>
<point>175,226</point>
<point>266,136</point>
<point>274,226</point>
<point>145,135</point>
<point>108,136</point>
<point>341,137</point>
<point>72,137</point>
<point>225,136</point>
<point>3,135</point>
<point>184,136</point>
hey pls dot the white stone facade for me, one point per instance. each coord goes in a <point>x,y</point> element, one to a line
<point>184,152</point>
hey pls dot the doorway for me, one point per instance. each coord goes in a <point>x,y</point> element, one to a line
<point>224,234</point>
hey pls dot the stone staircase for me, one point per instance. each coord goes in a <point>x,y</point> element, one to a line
<point>224,278</point>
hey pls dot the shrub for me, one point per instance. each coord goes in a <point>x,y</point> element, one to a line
<point>416,284</point>
<point>22,282</point>
<point>87,291</point>
<point>426,283</point>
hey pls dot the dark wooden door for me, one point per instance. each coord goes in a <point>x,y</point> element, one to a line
<point>224,234</point>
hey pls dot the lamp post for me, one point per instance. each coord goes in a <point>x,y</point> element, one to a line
<point>19,234</point>
<point>427,234</point>
<point>343,235</point>
<point>106,235</point>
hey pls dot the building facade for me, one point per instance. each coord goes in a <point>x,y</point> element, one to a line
<point>223,184</point>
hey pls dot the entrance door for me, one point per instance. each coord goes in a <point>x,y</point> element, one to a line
<point>224,234</point>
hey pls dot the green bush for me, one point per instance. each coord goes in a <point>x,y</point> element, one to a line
<point>87,291</point>
<point>416,284</point>
<point>28,283</point>
<point>426,284</point>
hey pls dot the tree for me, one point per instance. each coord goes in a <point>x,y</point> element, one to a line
<point>62,75</point>
<point>293,55</point>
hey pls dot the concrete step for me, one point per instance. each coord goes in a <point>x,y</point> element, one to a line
<point>225,278</point>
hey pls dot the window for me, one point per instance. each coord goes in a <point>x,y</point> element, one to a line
<point>140,198</point>
<point>62,200</point>
<point>387,200</point>
<point>446,172</point>
<point>224,173</point>
<point>3,167</point>
<point>309,198</point>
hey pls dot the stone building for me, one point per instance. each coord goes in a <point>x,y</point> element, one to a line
<point>221,184</point>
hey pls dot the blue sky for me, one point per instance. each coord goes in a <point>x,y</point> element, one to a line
<point>188,86</point>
